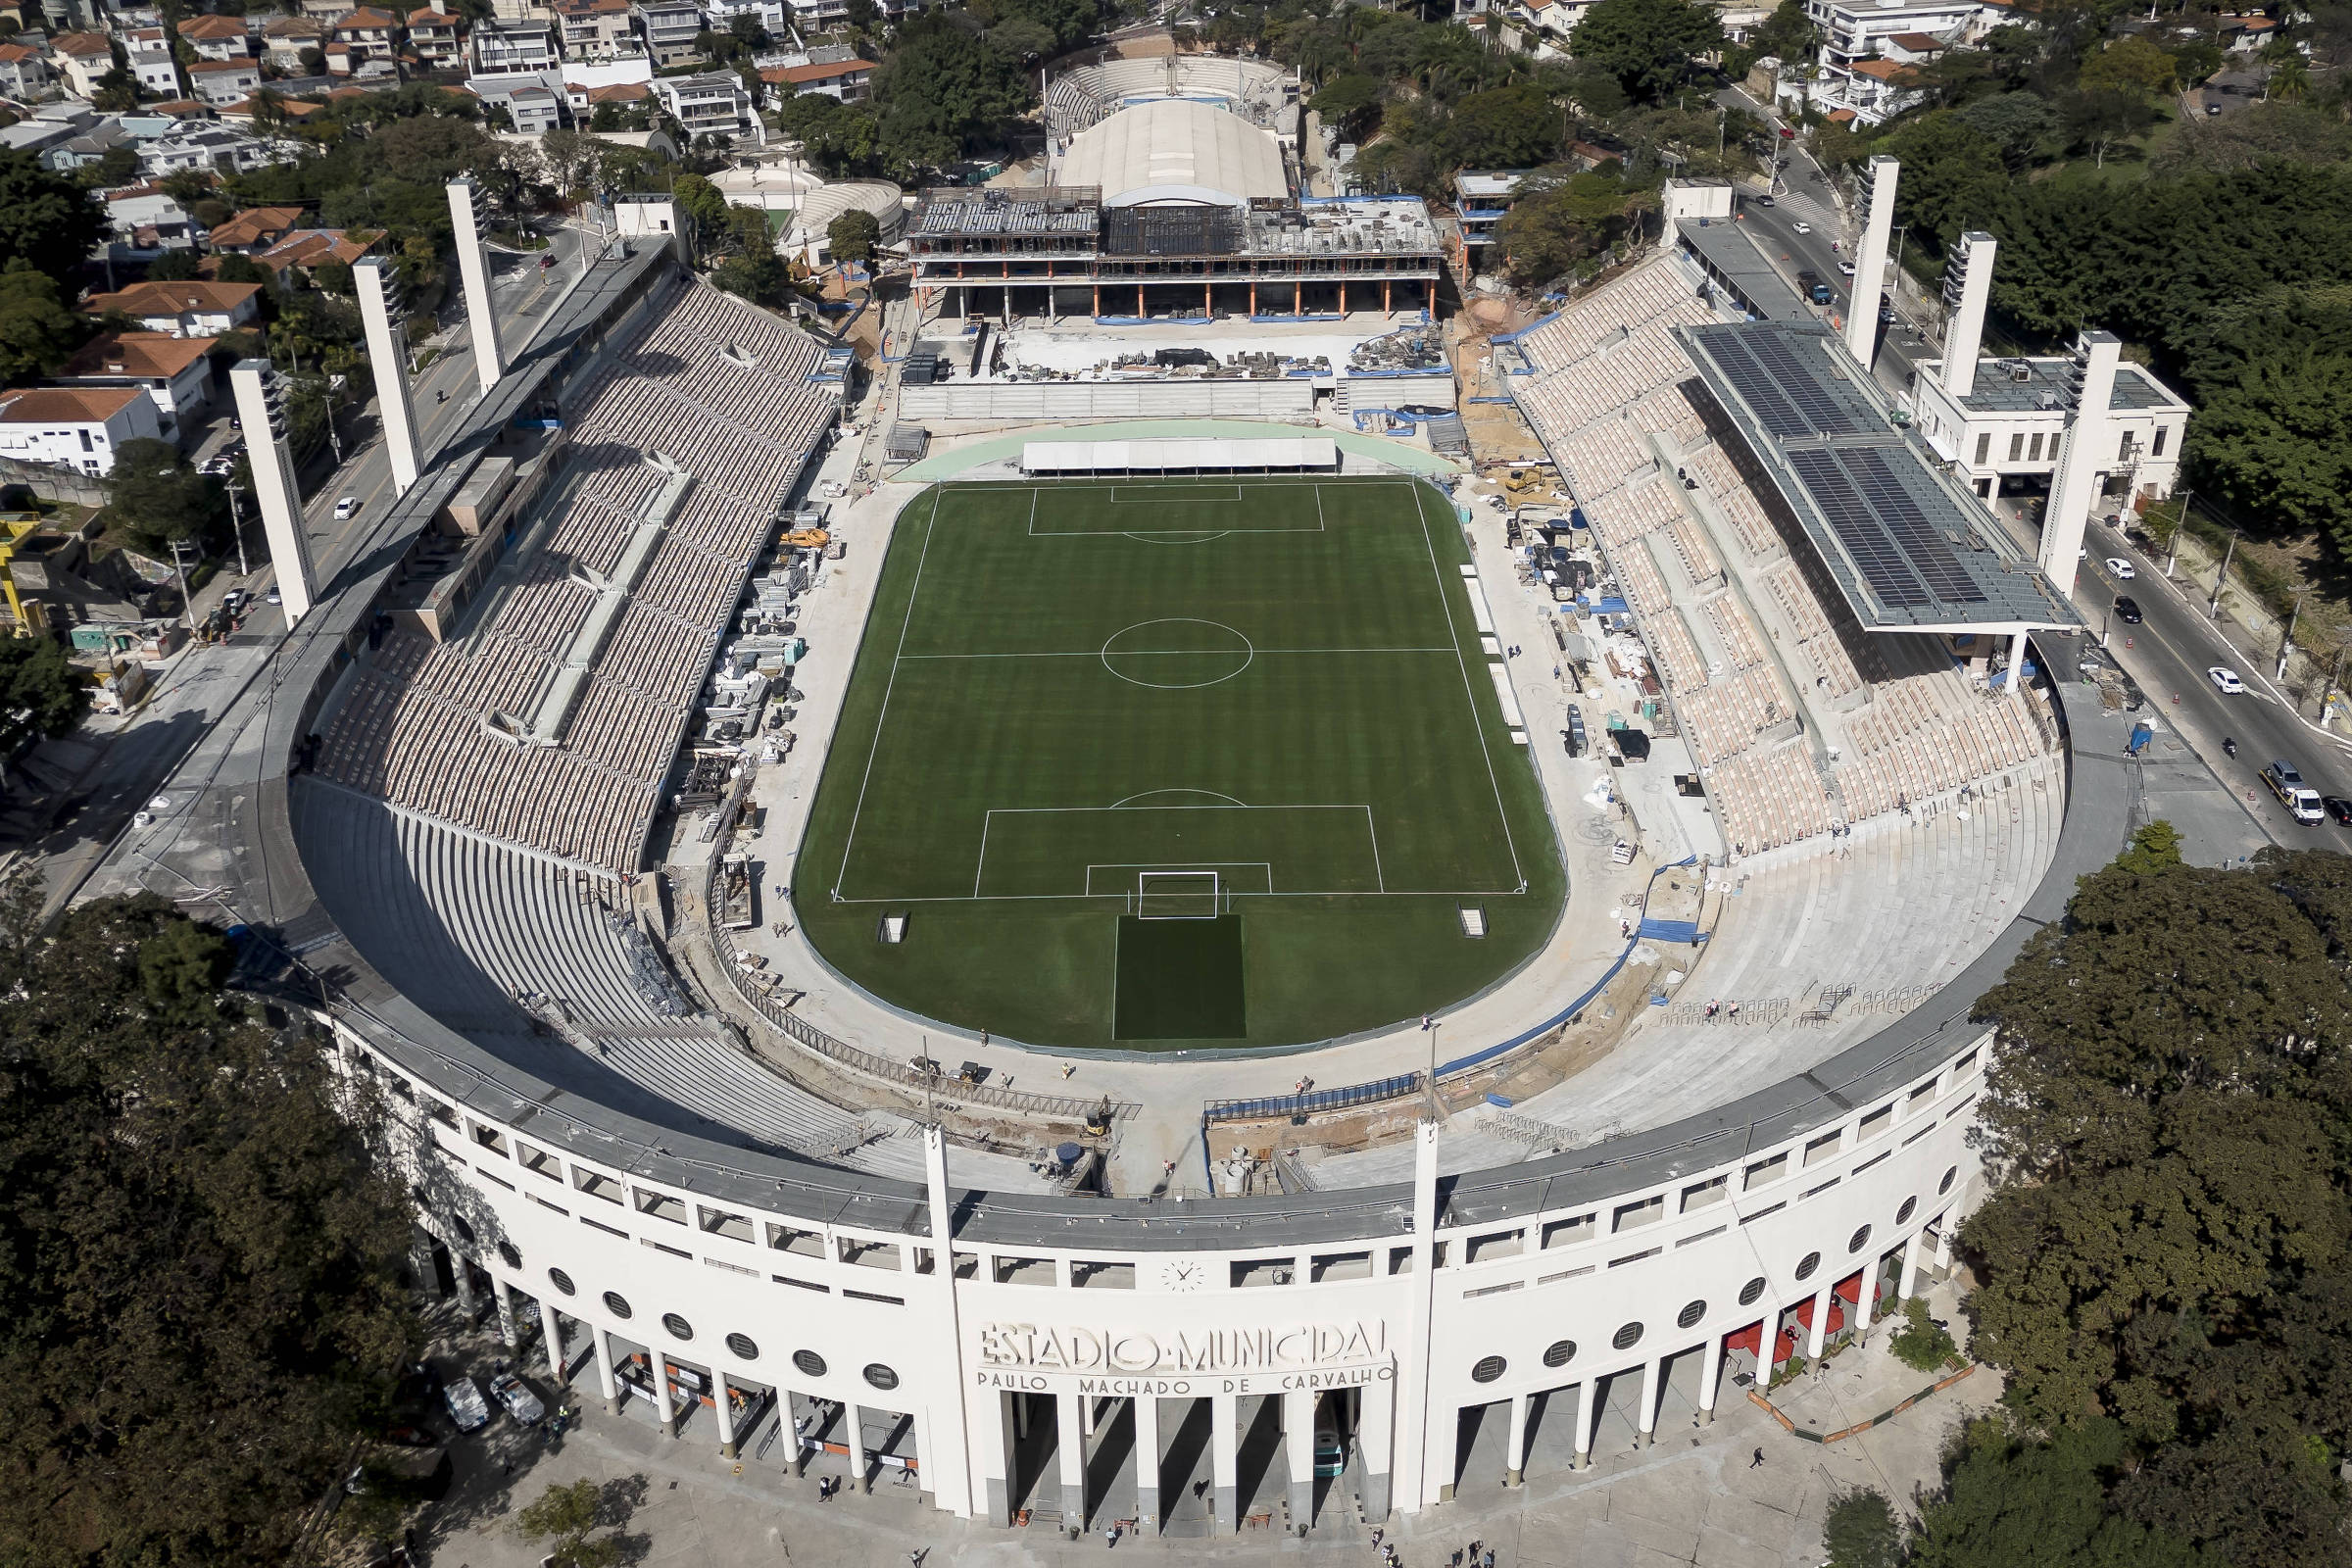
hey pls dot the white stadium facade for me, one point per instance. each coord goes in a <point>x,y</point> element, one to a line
<point>431,825</point>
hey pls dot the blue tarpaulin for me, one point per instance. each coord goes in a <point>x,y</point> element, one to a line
<point>1612,606</point>
<point>1686,931</point>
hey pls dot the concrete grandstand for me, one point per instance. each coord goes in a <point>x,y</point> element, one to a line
<point>643,1115</point>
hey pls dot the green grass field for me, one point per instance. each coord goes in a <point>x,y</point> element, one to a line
<point>1067,691</point>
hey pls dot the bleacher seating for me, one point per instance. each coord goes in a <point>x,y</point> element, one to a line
<point>713,386</point>
<point>1608,398</point>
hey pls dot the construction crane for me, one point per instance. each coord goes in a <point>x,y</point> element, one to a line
<point>15,525</point>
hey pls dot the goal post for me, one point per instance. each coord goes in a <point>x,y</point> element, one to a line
<point>1178,896</point>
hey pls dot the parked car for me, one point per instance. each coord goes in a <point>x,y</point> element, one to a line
<point>1845,269</point>
<point>515,1395</point>
<point>466,1406</point>
<point>1573,737</point>
<point>2338,806</point>
<point>2127,610</point>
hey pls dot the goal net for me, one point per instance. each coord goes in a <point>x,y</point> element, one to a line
<point>1177,894</point>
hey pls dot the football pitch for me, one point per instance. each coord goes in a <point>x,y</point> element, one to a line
<point>1176,763</point>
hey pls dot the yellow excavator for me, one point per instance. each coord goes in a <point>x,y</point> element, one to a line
<point>14,525</point>
<point>798,539</point>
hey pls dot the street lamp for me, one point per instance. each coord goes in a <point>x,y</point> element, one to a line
<point>236,522</point>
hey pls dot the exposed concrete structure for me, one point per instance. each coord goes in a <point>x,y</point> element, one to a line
<point>473,269</point>
<point>1967,286</point>
<point>2090,451</point>
<point>1870,259</point>
<point>261,408</point>
<point>388,351</point>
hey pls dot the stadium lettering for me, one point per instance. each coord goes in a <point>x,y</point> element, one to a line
<point>1030,1347</point>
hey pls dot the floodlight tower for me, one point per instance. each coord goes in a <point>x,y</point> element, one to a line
<point>262,410</point>
<point>381,313</point>
<point>473,269</point>
<point>1967,286</point>
<point>1870,259</point>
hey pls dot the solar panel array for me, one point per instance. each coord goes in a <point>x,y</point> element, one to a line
<point>1907,563</point>
<point>1789,394</point>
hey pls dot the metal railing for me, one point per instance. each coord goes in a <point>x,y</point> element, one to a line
<point>1313,1101</point>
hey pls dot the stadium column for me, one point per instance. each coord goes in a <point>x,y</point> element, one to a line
<point>1710,1375</point>
<point>1870,259</point>
<point>1910,1277</point>
<point>1069,1443</point>
<point>504,1295</point>
<point>1253,296</point>
<point>261,408</point>
<point>1868,1287</point>
<point>1817,1330</point>
<point>2016,661</point>
<point>720,1407</point>
<point>1649,1421</point>
<point>460,1268</point>
<point>551,1330</point>
<point>946,1464</point>
<point>1412,1370</point>
<point>1147,1462</point>
<point>1298,1436</point>
<point>606,1384</point>
<point>1098,299</point>
<point>1514,1461</point>
<point>1375,1444</point>
<point>388,357</point>
<point>1588,1412</point>
<point>1388,288</point>
<point>1224,1458</point>
<point>861,1464</point>
<point>466,216</point>
<point>1943,1244</point>
<point>665,1403</point>
<point>420,1259</point>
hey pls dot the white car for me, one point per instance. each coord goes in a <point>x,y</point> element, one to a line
<point>515,1395</point>
<point>346,507</point>
<point>466,1406</point>
<point>1845,269</point>
<point>1804,228</point>
<point>2121,568</point>
<point>2224,680</point>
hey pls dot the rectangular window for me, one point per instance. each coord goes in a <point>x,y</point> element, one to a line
<point>2017,445</point>
<point>1822,1147</point>
<point>784,1239</point>
<point>1814,1192</point>
<point>86,440</point>
<point>1702,1236</point>
<point>501,1179</point>
<point>1643,1212</point>
<point>2156,447</point>
<point>1707,1193</point>
<point>544,1203</point>
<point>675,1251</point>
<point>1565,1274</point>
<point>2034,452</point>
<point>1983,446</point>
<point>718,1222</point>
<point>1503,1244</point>
<point>595,1186</point>
<point>1634,1257</point>
<point>662,1206</point>
<point>868,1296</point>
<point>1876,1122</point>
<point>1766,1172</point>
<point>802,1285</point>
<point>1873,1160</point>
<point>1751,1219</point>
<point>1494,1290</point>
<point>600,1225</point>
<point>2123,448</point>
<point>1340,1266</point>
<point>1568,1232</point>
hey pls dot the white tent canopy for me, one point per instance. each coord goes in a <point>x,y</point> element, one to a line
<point>1181,456</point>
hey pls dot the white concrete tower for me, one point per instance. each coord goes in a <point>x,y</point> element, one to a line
<point>1967,286</point>
<point>1870,259</point>
<point>2090,451</point>
<point>388,351</point>
<point>473,269</point>
<point>260,409</point>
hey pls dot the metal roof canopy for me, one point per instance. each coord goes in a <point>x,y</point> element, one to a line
<point>1910,547</point>
<point>1179,455</point>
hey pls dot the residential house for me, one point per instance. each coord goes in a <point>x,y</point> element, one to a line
<point>1871,91</point>
<point>24,74</point>
<point>433,38</point>
<point>1913,48</point>
<point>172,371</point>
<point>769,13</point>
<point>294,257</point>
<point>183,307</point>
<point>214,148</point>
<point>599,31</point>
<point>850,80</point>
<point>73,426</point>
<point>1482,199</point>
<point>218,37</point>
<point>285,39</point>
<point>532,108</point>
<point>81,57</point>
<point>625,96</point>
<point>153,61</point>
<point>366,34</point>
<point>669,28</point>
<point>710,105</point>
<point>247,115</point>
<point>225,82</point>
<point>256,228</point>
<point>513,48</point>
<point>326,13</point>
<point>144,218</point>
<point>2245,34</point>
<point>1855,30</point>
<point>82,148</point>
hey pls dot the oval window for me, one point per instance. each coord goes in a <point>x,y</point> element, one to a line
<point>1489,1368</point>
<point>1691,1315</point>
<point>1858,1241</point>
<point>679,1328</point>
<point>1751,1291</point>
<point>810,1363</point>
<point>561,1281</point>
<point>465,1230</point>
<point>506,1249</point>
<point>742,1347</point>
<point>1945,1185</point>
<point>880,1376</point>
<point>1903,1215</point>
<point>1812,1261</point>
<point>1562,1353</point>
<point>1628,1337</point>
<point>618,1304</point>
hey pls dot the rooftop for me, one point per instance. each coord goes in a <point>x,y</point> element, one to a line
<point>2019,385</point>
<point>209,26</point>
<point>256,224</point>
<point>140,354</point>
<point>1732,259</point>
<point>1909,549</point>
<point>1472,183</point>
<point>1071,209</point>
<point>66,405</point>
<point>170,299</point>
<point>1177,151</point>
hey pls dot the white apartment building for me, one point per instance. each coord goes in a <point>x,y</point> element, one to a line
<point>515,48</point>
<point>712,104</point>
<point>172,371</point>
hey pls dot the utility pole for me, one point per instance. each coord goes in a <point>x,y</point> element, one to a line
<point>2334,675</point>
<point>188,607</point>
<point>2179,526</point>
<point>2213,606</point>
<point>236,521</point>
<point>2286,641</point>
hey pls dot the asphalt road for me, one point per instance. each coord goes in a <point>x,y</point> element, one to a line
<point>2169,653</point>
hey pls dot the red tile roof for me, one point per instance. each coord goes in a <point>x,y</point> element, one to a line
<point>151,298</point>
<point>213,27</point>
<point>141,354</point>
<point>66,405</point>
<point>796,74</point>
<point>256,224</point>
<point>87,45</point>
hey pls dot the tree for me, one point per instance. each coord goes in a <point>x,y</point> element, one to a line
<point>703,205</point>
<point>1919,1344</point>
<point>46,221</point>
<point>333,276</point>
<point>1507,128</point>
<point>432,149</point>
<point>174,266</point>
<point>115,166</point>
<point>1559,223</point>
<point>156,494</point>
<point>2017,123</point>
<point>37,334</point>
<point>237,267</point>
<point>564,1517</point>
<point>42,695</point>
<point>2008,1502</point>
<point>1647,46</point>
<point>1859,1530</point>
<point>1351,102</point>
<point>1953,175</point>
<point>939,91</point>
<point>118,91</point>
<point>853,235</point>
<point>188,186</point>
<point>206,1298</point>
<point>2154,847</point>
<point>2130,65</point>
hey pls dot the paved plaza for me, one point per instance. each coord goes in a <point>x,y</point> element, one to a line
<point>1697,1496</point>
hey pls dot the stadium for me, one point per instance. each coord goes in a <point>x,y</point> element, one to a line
<point>735,926</point>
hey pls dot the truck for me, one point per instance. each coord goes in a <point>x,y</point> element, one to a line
<point>2302,802</point>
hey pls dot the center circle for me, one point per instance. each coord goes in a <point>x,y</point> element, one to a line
<point>1177,654</point>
